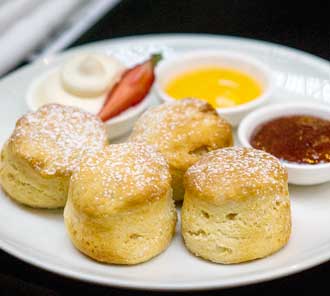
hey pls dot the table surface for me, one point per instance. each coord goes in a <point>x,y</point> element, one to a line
<point>303,26</point>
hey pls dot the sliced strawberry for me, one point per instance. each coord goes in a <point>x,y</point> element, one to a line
<point>134,85</point>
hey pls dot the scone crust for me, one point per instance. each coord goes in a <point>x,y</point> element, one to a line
<point>53,139</point>
<point>120,208</point>
<point>118,178</point>
<point>236,173</point>
<point>24,184</point>
<point>237,231</point>
<point>182,131</point>
<point>130,237</point>
<point>44,149</point>
<point>236,206</point>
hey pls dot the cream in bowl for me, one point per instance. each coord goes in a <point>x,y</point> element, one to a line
<point>82,81</point>
<point>297,134</point>
<point>100,84</point>
<point>234,84</point>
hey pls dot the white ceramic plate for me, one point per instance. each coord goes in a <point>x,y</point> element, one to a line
<point>39,237</point>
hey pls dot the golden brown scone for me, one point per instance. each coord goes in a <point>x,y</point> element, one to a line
<point>45,147</point>
<point>182,131</point>
<point>120,208</point>
<point>236,206</point>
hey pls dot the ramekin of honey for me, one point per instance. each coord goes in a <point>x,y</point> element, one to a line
<point>298,134</point>
<point>234,84</point>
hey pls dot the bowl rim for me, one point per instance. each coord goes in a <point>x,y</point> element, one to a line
<point>255,118</point>
<point>200,54</point>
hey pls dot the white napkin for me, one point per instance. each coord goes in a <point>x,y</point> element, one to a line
<point>29,31</point>
<point>84,20</point>
<point>11,11</point>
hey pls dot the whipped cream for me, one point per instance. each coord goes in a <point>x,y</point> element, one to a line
<point>82,81</point>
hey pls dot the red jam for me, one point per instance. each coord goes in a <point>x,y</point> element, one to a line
<point>301,138</point>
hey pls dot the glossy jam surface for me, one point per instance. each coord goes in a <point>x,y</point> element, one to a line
<point>221,87</point>
<point>301,139</point>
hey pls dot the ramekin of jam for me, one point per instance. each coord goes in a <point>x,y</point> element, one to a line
<point>297,134</point>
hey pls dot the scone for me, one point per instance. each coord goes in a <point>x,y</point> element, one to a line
<point>236,206</point>
<point>45,147</point>
<point>120,208</point>
<point>182,131</point>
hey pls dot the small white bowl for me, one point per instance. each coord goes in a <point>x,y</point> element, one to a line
<point>168,69</point>
<point>299,174</point>
<point>116,127</point>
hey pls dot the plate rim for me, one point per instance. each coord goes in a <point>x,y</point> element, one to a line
<point>180,287</point>
<point>311,58</point>
<point>145,285</point>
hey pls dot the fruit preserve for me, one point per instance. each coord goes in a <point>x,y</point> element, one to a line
<point>300,138</point>
<point>221,87</point>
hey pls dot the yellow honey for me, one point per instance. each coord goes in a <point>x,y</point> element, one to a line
<point>221,87</point>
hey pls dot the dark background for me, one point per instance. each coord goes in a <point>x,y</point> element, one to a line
<point>300,24</point>
<point>303,25</point>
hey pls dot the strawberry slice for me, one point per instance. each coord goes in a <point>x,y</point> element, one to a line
<point>133,86</point>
